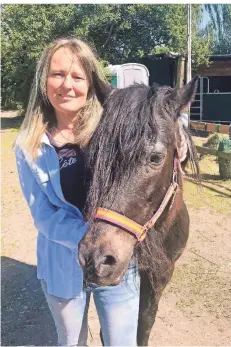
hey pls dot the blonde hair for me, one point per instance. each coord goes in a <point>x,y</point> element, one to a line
<point>40,115</point>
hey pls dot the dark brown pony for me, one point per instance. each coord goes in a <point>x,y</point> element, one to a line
<point>132,155</point>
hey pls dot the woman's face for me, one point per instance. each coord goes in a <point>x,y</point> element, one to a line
<point>67,85</point>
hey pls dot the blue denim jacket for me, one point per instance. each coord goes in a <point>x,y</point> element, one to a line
<point>60,224</point>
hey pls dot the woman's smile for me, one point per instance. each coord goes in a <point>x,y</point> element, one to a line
<point>66,97</point>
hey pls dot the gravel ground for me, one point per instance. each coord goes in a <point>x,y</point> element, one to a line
<point>195,308</point>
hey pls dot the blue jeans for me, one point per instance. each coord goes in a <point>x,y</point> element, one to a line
<point>117,308</point>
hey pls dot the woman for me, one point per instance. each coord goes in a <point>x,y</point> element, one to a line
<point>62,114</point>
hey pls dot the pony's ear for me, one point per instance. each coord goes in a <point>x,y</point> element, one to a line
<point>184,96</point>
<point>102,89</point>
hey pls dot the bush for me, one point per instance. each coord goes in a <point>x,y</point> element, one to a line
<point>224,164</point>
<point>213,141</point>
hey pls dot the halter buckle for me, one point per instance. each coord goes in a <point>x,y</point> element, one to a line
<point>145,229</point>
<point>174,176</point>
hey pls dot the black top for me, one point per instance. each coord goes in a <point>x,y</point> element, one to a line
<point>72,173</point>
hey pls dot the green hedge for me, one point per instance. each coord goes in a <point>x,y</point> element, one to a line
<point>224,164</point>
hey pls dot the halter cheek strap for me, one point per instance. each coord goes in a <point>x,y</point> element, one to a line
<point>129,225</point>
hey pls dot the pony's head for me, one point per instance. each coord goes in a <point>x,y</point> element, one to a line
<point>131,156</point>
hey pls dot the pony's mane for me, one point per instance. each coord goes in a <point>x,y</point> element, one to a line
<point>118,144</point>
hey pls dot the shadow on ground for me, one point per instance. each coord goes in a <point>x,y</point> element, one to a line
<point>11,122</point>
<point>215,189</point>
<point>26,319</point>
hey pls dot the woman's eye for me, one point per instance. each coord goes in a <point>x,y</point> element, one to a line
<point>57,74</point>
<point>78,78</point>
<point>156,158</point>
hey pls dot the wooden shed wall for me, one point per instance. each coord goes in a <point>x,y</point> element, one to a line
<point>215,68</point>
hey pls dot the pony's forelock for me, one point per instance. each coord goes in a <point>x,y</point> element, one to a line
<point>118,145</point>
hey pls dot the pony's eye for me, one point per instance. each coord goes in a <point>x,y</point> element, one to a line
<point>156,158</point>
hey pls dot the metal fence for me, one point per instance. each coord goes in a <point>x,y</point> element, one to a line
<point>210,106</point>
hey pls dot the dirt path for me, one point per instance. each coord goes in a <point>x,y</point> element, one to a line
<point>194,310</point>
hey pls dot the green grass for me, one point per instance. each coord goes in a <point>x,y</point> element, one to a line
<point>208,195</point>
<point>8,138</point>
<point>213,193</point>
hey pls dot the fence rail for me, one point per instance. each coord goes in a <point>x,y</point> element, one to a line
<point>210,127</point>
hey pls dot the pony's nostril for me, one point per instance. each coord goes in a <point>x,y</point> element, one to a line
<point>109,260</point>
<point>105,265</point>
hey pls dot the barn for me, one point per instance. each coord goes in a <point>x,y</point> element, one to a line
<point>213,98</point>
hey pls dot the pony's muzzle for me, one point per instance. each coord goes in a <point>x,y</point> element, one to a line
<point>96,264</point>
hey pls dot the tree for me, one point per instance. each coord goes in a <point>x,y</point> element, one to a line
<point>125,32</point>
<point>120,33</point>
<point>220,17</point>
<point>25,31</point>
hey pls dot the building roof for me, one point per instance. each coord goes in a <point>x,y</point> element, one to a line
<point>222,57</point>
<point>215,57</point>
<point>163,55</point>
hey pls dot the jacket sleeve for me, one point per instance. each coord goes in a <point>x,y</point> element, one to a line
<point>56,224</point>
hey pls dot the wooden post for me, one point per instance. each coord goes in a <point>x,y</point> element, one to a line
<point>180,72</point>
<point>185,114</point>
<point>189,48</point>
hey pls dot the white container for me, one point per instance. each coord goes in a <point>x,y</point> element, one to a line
<point>126,74</point>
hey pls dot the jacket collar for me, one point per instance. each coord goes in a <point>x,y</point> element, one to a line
<point>45,139</point>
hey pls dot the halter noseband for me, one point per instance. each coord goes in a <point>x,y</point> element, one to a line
<point>136,229</point>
